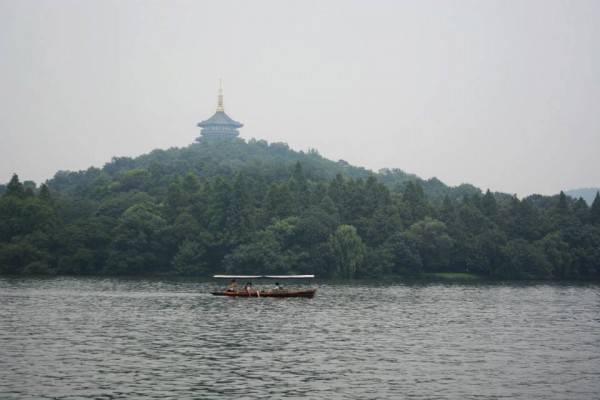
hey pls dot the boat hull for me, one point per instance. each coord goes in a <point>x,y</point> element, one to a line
<point>269,293</point>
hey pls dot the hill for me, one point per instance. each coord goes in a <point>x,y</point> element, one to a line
<point>273,162</point>
<point>230,206</point>
<point>588,194</point>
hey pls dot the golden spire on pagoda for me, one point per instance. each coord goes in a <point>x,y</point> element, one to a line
<point>220,98</point>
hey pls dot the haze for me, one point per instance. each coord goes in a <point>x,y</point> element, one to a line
<point>500,94</point>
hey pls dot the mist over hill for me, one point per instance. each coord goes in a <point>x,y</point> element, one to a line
<point>228,157</point>
<point>261,208</point>
<point>588,194</point>
<point>255,158</point>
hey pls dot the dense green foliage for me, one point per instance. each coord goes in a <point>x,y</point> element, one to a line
<point>236,207</point>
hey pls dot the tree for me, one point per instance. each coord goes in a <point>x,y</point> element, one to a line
<point>581,211</point>
<point>405,256</point>
<point>189,259</point>
<point>131,179</point>
<point>138,243</point>
<point>595,209</point>
<point>523,260</point>
<point>562,206</point>
<point>45,193</point>
<point>15,188</point>
<point>337,191</point>
<point>522,220</point>
<point>314,227</point>
<point>584,249</point>
<point>447,213</point>
<point>348,251</point>
<point>489,204</point>
<point>190,183</point>
<point>281,201</point>
<point>270,252</point>
<point>241,220</point>
<point>299,186</point>
<point>380,262</point>
<point>217,194</point>
<point>384,222</point>
<point>472,219</point>
<point>557,253</point>
<point>28,254</point>
<point>431,238</point>
<point>22,216</point>
<point>485,254</point>
<point>83,245</point>
<point>415,198</point>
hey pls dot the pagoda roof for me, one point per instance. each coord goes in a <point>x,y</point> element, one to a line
<point>220,118</point>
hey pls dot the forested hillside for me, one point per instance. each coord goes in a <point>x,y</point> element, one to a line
<point>259,208</point>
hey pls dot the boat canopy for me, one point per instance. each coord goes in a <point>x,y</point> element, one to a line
<point>264,276</point>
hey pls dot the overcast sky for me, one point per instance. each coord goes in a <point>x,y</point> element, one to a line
<point>502,94</point>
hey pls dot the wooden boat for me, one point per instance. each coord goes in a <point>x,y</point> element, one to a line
<point>266,293</point>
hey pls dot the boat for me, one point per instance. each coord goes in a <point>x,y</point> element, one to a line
<point>269,292</point>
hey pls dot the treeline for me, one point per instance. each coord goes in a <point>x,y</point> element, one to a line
<point>255,208</point>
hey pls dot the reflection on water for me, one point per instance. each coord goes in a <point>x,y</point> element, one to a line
<point>120,338</point>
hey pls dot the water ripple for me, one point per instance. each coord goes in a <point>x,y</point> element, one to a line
<point>67,338</point>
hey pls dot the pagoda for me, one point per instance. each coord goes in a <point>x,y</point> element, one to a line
<point>219,125</point>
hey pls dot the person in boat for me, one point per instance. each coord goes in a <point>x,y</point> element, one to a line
<point>232,286</point>
<point>249,289</point>
<point>276,287</point>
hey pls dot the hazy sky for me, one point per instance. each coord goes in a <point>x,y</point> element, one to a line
<point>502,94</point>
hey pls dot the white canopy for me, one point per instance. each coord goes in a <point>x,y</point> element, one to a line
<point>264,276</point>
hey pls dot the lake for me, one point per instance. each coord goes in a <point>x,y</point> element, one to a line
<point>111,338</point>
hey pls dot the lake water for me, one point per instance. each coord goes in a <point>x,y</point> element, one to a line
<point>110,338</point>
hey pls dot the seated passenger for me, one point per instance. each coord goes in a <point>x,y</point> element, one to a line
<point>232,286</point>
<point>248,289</point>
